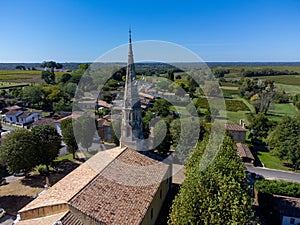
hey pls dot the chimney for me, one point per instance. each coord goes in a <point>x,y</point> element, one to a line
<point>241,122</point>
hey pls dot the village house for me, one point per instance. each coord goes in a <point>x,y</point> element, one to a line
<point>288,209</point>
<point>245,153</point>
<point>237,131</point>
<point>22,117</point>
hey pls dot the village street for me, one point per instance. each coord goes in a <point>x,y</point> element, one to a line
<point>275,174</point>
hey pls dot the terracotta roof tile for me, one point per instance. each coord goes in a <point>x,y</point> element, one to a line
<point>71,184</point>
<point>235,127</point>
<point>123,191</point>
<point>70,219</point>
<point>244,151</point>
<point>44,121</point>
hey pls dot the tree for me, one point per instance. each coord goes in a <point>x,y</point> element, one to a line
<point>259,126</point>
<point>162,107</point>
<point>284,140</point>
<point>170,75</point>
<point>51,64</point>
<point>68,136</point>
<point>162,138</point>
<point>86,124</point>
<point>260,93</point>
<point>70,89</point>
<point>48,76</point>
<point>54,93</point>
<point>48,144</point>
<point>65,78</point>
<point>217,195</point>
<point>32,95</point>
<point>18,151</point>
<point>116,131</point>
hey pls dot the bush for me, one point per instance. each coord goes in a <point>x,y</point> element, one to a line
<point>42,169</point>
<point>278,187</point>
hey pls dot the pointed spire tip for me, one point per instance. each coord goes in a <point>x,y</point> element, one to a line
<point>129,34</point>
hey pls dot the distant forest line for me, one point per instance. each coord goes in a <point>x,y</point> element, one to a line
<point>73,66</point>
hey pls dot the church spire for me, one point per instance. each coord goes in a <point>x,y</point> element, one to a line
<point>132,132</point>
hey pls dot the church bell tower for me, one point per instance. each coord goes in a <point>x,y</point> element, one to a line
<point>132,130</point>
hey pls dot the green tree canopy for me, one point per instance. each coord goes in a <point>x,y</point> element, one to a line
<point>217,195</point>
<point>86,128</point>
<point>285,140</point>
<point>68,136</point>
<point>259,126</point>
<point>18,151</point>
<point>48,76</point>
<point>32,95</point>
<point>162,107</point>
<point>48,144</point>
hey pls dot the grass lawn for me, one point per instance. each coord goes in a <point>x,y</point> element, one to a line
<point>284,79</point>
<point>271,161</point>
<point>290,89</point>
<point>64,157</point>
<point>277,111</point>
<point>234,117</point>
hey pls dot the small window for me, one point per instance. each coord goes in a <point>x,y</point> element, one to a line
<point>151,213</point>
<point>292,221</point>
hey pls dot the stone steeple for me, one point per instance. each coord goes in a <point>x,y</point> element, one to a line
<point>132,131</point>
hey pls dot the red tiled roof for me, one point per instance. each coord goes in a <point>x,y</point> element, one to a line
<point>235,127</point>
<point>123,191</point>
<point>104,104</point>
<point>14,107</point>
<point>13,112</point>
<point>25,114</point>
<point>44,121</point>
<point>70,219</point>
<point>146,95</point>
<point>73,116</point>
<point>244,151</point>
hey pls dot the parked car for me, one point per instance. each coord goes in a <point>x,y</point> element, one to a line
<point>21,173</point>
<point>2,181</point>
<point>2,212</point>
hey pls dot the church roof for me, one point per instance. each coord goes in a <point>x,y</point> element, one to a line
<point>123,191</point>
<point>71,184</point>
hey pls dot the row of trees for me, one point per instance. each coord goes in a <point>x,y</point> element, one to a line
<point>217,195</point>
<point>267,72</point>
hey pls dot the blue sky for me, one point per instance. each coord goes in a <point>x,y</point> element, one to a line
<point>81,30</point>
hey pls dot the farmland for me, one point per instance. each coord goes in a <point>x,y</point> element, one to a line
<point>20,76</point>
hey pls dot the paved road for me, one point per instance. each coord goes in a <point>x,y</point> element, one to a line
<point>275,174</point>
<point>6,128</point>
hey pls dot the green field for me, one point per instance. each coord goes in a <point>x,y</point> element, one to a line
<point>22,72</point>
<point>284,79</point>
<point>277,111</point>
<point>30,76</point>
<point>271,161</point>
